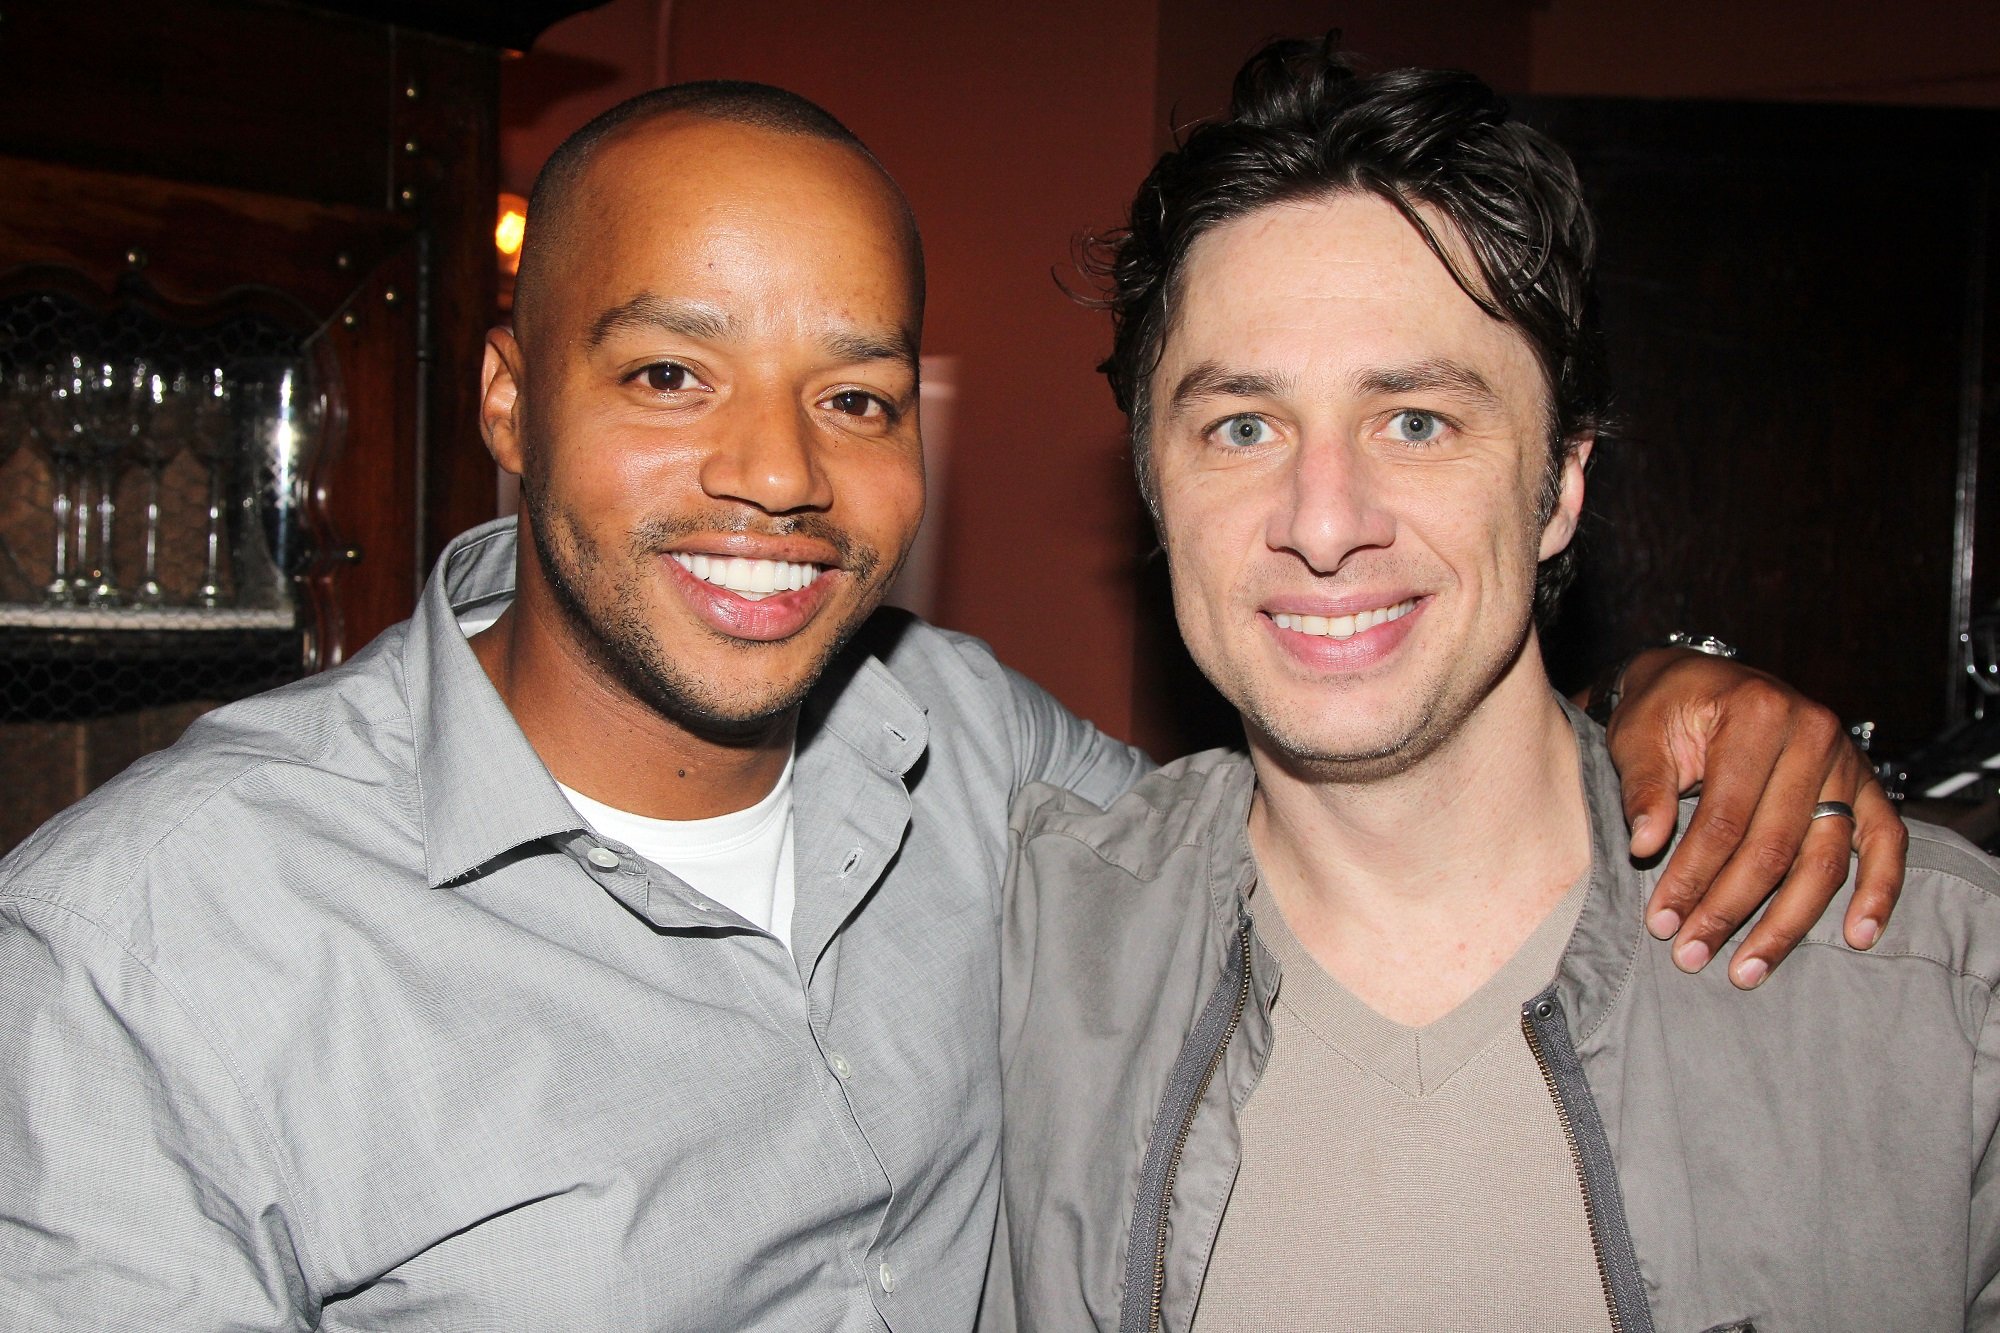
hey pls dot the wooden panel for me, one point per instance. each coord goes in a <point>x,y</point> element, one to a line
<point>1786,295</point>
<point>448,167</point>
<point>228,92</point>
<point>513,24</point>
<point>191,242</point>
<point>366,489</point>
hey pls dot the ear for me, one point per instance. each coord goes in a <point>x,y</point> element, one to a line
<point>1561,527</point>
<point>500,402</point>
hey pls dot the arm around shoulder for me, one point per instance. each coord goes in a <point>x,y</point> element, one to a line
<point>137,1182</point>
<point>1055,746</point>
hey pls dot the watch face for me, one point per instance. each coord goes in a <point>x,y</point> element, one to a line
<point>1701,643</point>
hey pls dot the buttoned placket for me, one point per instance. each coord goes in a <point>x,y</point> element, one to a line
<point>839,855</point>
<point>850,821</point>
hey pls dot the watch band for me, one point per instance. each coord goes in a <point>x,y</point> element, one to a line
<point>1609,689</point>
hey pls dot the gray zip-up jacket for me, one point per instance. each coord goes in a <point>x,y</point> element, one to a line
<point>1815,1154</point>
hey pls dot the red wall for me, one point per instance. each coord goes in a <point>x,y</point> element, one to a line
<point>1015,128</point>
<point>1011,128</point>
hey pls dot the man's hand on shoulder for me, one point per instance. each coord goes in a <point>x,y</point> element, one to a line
<point>1764,756</point>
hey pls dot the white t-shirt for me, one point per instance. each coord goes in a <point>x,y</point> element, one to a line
<point>742,860</point>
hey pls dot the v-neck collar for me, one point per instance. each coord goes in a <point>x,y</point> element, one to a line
<point>1417,1060</point>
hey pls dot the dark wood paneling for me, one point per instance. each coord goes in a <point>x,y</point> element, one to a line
<point>366,574</point>
<point>448,162</point>
<point>1786,294</point>
<point>229,92</point>
<point>189,243</point>
<point>513,24</point>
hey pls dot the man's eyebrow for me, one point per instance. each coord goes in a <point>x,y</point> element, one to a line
<point>1434,376</point>
<point>1211,379</point>
<point>649,312</point>
<point>852,345</point>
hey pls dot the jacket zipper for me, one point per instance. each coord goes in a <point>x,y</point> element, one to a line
<point>1603,1204</point>
<point>1187,1128</point>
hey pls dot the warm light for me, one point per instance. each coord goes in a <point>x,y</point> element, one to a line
<point>508,231</point>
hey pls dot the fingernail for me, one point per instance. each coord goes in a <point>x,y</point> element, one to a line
<point>1639,827</point>
<point>1867,932</point>
<point>1751,974</point>
<point>1664,923</point>
<point>1692,956</point>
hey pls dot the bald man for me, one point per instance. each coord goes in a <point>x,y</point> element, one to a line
<point>611,945</point>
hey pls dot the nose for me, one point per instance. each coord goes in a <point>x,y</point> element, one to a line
<point>767,455</point>
<point>1332,505</point>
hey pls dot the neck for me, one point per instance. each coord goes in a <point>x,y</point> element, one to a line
<point>1413,888</point>
<point>597,738</point>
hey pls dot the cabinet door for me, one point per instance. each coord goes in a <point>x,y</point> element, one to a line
<point>177,275</point>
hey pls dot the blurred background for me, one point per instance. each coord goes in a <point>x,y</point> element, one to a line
<point>249,248</point>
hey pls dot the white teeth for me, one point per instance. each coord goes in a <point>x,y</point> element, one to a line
<point>1344,627</point>
<point>754,579</point>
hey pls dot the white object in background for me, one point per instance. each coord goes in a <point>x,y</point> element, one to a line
<point>919,588</point>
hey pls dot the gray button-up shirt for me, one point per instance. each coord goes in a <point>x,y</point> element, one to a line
<point>336,1015</point>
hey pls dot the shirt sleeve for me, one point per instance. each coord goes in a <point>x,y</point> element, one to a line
<point>136,1187</point>
<point>1055,746</point>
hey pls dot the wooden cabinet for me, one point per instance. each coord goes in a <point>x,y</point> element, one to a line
<point>323,175</point>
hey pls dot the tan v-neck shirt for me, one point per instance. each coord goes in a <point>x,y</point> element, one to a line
<point>1404,1178</point>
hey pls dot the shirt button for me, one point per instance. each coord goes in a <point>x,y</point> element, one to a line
<point>888,1277</point>
<point>602,857</point>
<point>841,1069</point>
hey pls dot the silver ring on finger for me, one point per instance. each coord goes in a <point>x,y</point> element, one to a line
<point>1833,809</point>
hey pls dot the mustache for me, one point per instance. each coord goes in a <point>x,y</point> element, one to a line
<point>656,535</point>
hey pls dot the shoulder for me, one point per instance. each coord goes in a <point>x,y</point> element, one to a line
<point>1192,803</point>
<point>1949,912</point>
<point>240,782</point>
<point>924,657</point>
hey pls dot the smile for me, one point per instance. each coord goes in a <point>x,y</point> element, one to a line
<point>753,579</point>
<point>1344,627</point>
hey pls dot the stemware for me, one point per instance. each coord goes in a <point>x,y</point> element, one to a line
<point>278,415</point>
<point>13,434</point>
<point>54,425</point>
<point>35,392</point>
<point>114,410</point>
<point>212,439</point>
<point>156,437</point>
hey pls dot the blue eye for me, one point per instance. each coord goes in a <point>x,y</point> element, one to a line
<point>1243,432</point>
<point>1413,427</point>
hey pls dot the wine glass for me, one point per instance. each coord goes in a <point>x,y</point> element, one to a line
<point>13,433</point>
<point>212,439</point>
<point>54,426</point>
<point>278,415</point>
<point>114,410</point>
<point>154,440</point>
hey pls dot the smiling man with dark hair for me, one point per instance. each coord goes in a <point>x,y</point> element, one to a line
<point>1360,1030</point>
<point>614,944</point>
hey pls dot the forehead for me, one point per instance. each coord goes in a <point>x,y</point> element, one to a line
<point>1327,288</point>
<point>774,226</point>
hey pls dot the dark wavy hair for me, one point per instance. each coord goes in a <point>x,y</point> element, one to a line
<point>1302,122</point>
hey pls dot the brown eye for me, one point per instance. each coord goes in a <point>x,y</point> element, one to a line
<point>668,377</point>
<point>855,403</point>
